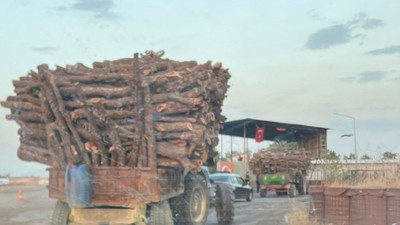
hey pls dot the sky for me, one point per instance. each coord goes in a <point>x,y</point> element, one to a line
<point>291,61</point>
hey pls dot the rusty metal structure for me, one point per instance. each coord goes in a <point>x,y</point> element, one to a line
<point>355,206</point>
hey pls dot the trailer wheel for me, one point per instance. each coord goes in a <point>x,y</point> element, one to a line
<point>302,186</point>
<point>191,208</point>
<point>224,206</point>
<point>60,213</point>
<point>292,191</point>
<point>160,214</point>
<point>263,193</point>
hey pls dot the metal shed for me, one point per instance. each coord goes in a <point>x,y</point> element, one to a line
<point>308,137</point>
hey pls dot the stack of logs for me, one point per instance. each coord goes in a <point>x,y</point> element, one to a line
<point>286,161</point>
<point>138,112</point>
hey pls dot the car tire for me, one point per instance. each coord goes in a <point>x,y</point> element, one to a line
<point>224,206</point>
<point>250,196</point>
<point>185,207</point>
<point>60,214</point>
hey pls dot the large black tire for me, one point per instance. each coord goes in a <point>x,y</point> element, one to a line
<point>224,204</point>
<point>191,208</point>
<point>263,193</point>
<point>61,213</point>
<point>160,214</point>
<point>250,196</point>
<point>302,186</point>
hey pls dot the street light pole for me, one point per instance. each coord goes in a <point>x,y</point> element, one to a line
<point>354,127</point>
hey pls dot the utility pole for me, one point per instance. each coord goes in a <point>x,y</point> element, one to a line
<point>354,128</point>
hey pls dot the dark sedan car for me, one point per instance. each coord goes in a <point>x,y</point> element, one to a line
<point>240,187</point>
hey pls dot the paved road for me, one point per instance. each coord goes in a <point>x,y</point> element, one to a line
<point>36,208</point>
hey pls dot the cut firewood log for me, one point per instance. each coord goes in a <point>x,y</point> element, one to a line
<point>166,162</point>
<point>30,153</point>
<point>170,127</point>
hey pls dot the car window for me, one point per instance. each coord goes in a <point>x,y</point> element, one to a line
<point>233,180</point>
<point>223,179</point>
<point>239,180</point>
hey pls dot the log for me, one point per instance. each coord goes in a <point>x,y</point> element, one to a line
<point>30,153</point>
<point>174,118</point>
<point>68,122</point>
<point>26,117</point>
<point>96,91</point>
<point>24,98</point>
<point>175,97</point>
<point>174,108</point>
<point>166,162</point>
<point>27,106</point>
<point>24,131</point>
<point>162,78</point>
<point>170,127</point>
<point>114,114</point>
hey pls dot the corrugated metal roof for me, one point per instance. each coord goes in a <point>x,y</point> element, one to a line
<point>290,132</point>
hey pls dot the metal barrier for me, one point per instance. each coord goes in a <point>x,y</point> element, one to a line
<point>355,206</point>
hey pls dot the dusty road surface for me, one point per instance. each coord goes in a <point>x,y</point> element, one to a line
<point>262,211</point>
<point>36,208</point>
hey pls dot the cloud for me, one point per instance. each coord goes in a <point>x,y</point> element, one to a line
<point>341,33</point>
<point>394,49</point>
<point>328,37</point>
<point>362,20</point>
<point>371,76</point>
<point>365,77</point>
<point>314,14</point>
<point>45,49</point>
<point>100,8</point>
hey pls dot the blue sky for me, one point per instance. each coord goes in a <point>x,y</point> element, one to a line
<point>291,61</point>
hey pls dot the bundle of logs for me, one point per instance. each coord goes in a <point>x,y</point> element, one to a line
<point>138,112</point>
<point>286,161</point>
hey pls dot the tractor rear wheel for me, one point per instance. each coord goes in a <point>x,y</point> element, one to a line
<point>191,208</point>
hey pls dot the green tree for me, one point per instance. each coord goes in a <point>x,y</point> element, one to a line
<point>278,146</point>
<point>332,155</point>
<point>389,155</point>
<point>365,156</point>
<point>350,157</point>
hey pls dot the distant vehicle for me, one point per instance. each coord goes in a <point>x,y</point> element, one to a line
<point>240,187</point>
<point>4,181</point>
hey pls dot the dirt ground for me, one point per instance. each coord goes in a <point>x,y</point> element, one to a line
<point>36,208</point>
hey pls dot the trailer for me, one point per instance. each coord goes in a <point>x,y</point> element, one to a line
<point>284,184</point>
<point>126,139</point>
